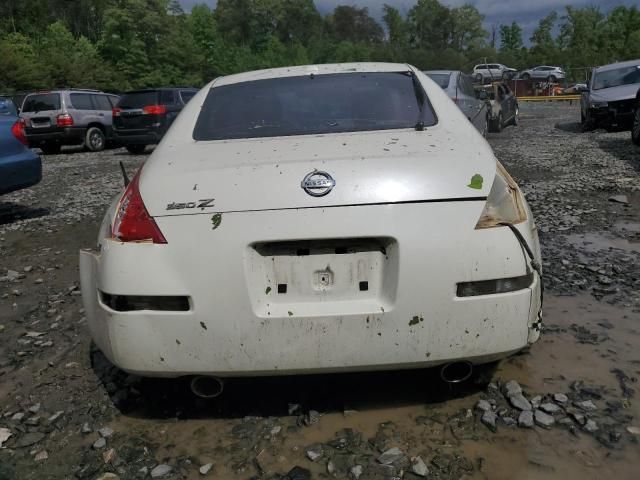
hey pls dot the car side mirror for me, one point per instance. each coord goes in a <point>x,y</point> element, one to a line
<point>482,95</point>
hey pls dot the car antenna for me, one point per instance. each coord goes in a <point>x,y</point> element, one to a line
<point>125,177</point>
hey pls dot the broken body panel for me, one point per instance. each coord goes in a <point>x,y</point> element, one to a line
<point>273,280</point>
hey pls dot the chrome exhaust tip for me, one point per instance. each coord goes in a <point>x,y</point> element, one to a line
<point>204,386</point>
<point>456,372</point>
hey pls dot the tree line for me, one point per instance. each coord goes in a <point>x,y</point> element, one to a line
<point>118,45</point>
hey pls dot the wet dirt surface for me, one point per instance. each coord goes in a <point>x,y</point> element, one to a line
<point>57,391</point>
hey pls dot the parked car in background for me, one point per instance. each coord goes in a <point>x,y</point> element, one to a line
<point>7,106</point>
<point>635,128</point>
<point>20,167</point>
<point>68,117</point>
<point>543,72</point>
<point>492,71</point>
<point>610,101</point>
<point>315,219</point>
<point>142,117</point>
<point>503,109</point>
<point>460,89</point>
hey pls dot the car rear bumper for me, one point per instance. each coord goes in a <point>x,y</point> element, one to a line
<point>136,137</point>
<point>237,323</point>
<point>19,171</point>
<point>62,136</point>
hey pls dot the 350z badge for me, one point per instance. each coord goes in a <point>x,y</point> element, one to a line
<point>201,204</point>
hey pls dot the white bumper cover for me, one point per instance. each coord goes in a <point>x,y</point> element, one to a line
<point>238,324</point>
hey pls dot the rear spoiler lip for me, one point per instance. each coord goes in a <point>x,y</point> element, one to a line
<point>406,202</point>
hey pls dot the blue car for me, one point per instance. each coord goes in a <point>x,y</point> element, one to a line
<point>19,166</point>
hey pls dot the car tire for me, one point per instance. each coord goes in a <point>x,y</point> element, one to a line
<point>525,76</point>
<point>515,120</point>
<point>479,78</point>
<point>50,148</point>
<point>552,79</point>
<point>587,122</point>
<point>635,130</point>
<point>496,125</point>
<point>94,140</point>
<point>135,149</point>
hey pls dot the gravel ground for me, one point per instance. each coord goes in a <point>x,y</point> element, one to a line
<point>564,408</point>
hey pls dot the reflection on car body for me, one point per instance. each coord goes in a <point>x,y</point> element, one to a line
<point>413,258</point>
<point>504,108</point>
<point>460,89</point>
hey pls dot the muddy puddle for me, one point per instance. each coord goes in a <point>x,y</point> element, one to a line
<point>415,412</point>
<point>595,242</point>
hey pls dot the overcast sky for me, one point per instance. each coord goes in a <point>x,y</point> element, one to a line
<point>526,12</point>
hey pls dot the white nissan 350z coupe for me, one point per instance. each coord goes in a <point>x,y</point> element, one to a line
<point>323,218</point>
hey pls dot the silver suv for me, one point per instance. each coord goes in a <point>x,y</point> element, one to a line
<point>492,71</point>
<point>543,72</point>
<point>68,117</point>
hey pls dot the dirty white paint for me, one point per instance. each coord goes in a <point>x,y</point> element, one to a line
<point>240,324</point>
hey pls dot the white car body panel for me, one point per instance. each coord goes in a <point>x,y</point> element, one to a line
<point>404,189</point>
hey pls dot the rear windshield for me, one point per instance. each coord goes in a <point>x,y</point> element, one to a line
<point>42,102</point>
<point>617,77</point>
<point>441,79</point>
<point>138,99</point>
<point>7,108</point>
<point>314,104</point>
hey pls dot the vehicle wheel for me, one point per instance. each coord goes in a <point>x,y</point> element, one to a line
<point>135,149</point>
<point>95,140</point>
<point>50,148</point>
<point>526,76</point>
<point>552,79</point>
<point>496,125</point>
<point>515,120</point>
<point>587,122</point>
<point>479,78</point>
<point>635,130</point>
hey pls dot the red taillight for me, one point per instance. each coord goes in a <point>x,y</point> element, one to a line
<point>18,131</point>
<point>116,112</point>
<point>154,109</point>
<point>132,222</point>
<point>64,120</point>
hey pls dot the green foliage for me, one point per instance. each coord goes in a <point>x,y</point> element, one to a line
<point>124,44</point>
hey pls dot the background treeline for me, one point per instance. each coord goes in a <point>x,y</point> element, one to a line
<point>118,45</point>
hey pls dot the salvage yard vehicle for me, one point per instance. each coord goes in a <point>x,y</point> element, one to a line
<point>323,218</point>
<point>142,117</point>
<point>68,117</point>
<point>609,103</point>
<point>493,71</point>
<point>460,89</point>
<point>19,166</point>
<point>543,72</point>
<point>503,109</point>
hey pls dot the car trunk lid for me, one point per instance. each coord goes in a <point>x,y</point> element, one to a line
<point>133,110</point>
<point>393,166</point>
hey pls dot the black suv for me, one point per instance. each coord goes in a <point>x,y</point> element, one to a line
<point>142,117</point>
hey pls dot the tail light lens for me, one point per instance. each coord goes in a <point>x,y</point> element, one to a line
<point>505,203</point>
<point>64,120</point>
<point>154,109</point>
<point>18,131</point>
<point>132,222</point>
<point>116,112</point>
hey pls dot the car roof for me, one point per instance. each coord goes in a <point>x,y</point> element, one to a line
<point>442,71</point>
<point>322,69</point>
<point>68,90</point>
<point>613,66</point>
<point>143,90</point>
